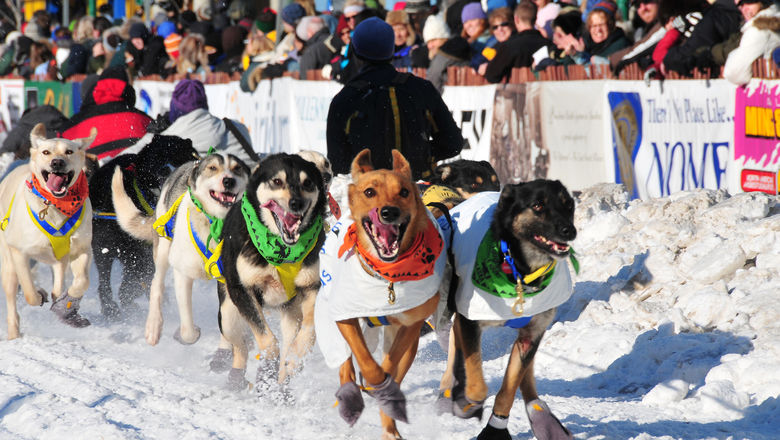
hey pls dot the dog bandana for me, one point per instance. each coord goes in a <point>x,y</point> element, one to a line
<point>416,263</point>
<point>489,275</point>
<point>287,259</point>
<point>68,204</point>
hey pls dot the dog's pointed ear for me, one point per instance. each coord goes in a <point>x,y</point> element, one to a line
<point>37,134</point>
<point>362,164</point>
<point>87,141</point>
<point>401,165</point>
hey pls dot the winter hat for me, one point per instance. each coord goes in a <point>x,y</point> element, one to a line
<point>472,11</point>
<point>172,42</point>
<point>306,24</point>
<point>607,7</point>
<point>374,40</point>
<point>292,13</point>
<point>266,20</point>
<point>139,30</point>
<point>166,28</point>
<point>113,85</point>
<point>188,95</point>
<point>354,8</point>
<point>397,17</point>
<point>434,28</point>
<point>495,4</point>
<point>399,6</point>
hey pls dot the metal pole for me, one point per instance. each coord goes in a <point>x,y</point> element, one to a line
<point>66,13</point>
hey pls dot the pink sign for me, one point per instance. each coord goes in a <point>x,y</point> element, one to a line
<point>757,125</point>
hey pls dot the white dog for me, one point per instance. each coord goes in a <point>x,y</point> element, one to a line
<point>46,216</point>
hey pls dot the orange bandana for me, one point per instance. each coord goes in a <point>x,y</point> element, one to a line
<point>68,204</point>
<point>416,263</point>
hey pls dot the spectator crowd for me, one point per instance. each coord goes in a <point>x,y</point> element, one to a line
<point>248,40</point>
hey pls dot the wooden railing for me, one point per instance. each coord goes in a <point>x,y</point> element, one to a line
<point>466,76</point>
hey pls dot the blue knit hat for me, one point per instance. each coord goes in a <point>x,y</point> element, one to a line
<point>374,39</point>
<point>472,11</point>
<point>292,13</point>
<point>166,28</point>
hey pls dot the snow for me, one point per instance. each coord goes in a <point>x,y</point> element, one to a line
<point>673,332</point>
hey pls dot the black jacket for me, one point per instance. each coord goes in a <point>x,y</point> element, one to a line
<point>362,116</point>
<point>718,22</point>
<point>316,54</point>
<point>517,51</point>
<point>18,140</point>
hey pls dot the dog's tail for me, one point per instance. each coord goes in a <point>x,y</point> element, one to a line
<point>130,218</point>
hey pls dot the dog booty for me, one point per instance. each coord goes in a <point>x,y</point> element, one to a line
<point>444,402</point>
<point>236,380</point>
<point>66,308</point>
<point>350,402</point>
<point>221,360</point>
<point>544,424</point>
<point>390,398</point>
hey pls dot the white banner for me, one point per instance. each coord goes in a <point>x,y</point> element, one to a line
<point>472,109</point>
<point>671,136</point>
<point>572,121</point>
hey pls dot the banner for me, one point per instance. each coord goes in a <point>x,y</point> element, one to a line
<point>667,139</point>
<point>756,133</point>
<point>154,97</point>
<point>572,117</point>
<point>472,110</point>
<point>54,93</point>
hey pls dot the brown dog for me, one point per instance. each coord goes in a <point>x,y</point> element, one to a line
<point>389,261</point>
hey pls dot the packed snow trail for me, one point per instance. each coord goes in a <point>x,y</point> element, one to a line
<point>673,332</point>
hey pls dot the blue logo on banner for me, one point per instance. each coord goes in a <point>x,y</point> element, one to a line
<point>626,116</point>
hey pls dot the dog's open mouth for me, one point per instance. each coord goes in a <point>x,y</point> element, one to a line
<point>289,224</point>
<point>225,199</point>
<point>57,183</point>
<point>386,237</point>
<point>553,247</point>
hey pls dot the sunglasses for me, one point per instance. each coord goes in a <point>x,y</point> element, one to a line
<point>504,24</point>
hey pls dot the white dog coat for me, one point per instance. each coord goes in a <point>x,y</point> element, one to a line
<point>472,219</point>
<point>348,291</point>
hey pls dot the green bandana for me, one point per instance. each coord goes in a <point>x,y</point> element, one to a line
<point>215,230</point>
<point>271,246</point>
<point>489,276</point>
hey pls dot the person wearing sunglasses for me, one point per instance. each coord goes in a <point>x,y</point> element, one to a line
<point>519,48</point>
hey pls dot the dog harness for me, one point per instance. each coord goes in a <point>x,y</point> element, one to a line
<point>59,237</point>
<point>486,292</point>
<point>165,227</point>
<point>145,205</point>
<point>351,289</point>
<point>286,259</point>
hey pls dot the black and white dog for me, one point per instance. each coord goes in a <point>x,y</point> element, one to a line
<point>270,253</point>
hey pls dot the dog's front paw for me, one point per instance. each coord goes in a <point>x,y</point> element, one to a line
<point>544,424</point>
<point>221,360</point>
<point>350,402</point>
<point>390,398</point>
<point>237,381</point>
<point>187,337</point>
<point>154,325</point>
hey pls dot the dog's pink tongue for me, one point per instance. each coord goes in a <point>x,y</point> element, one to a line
<point>55,182</point>
<point>387,234</point>
<point>289,220</point>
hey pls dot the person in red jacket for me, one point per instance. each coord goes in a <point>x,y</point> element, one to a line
<point>109,106</point>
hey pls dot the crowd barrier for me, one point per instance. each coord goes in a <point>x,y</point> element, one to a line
<point>655,137</point>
